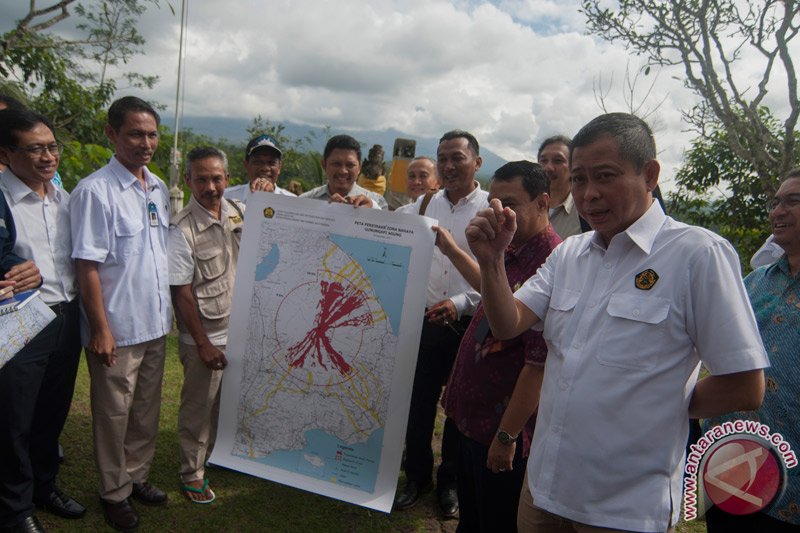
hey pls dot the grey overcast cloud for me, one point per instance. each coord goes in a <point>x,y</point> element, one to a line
<point>512,72</point>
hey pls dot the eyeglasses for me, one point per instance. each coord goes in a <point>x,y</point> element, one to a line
<point>789,201</point>
<point>40,149</point>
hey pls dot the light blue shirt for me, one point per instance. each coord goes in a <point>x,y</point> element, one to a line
<point>111,226</point>
<point>775,296</point>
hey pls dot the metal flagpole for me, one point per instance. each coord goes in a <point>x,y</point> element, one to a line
<point>175,191</point>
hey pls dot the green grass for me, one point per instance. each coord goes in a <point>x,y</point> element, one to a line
<point>243,504</point>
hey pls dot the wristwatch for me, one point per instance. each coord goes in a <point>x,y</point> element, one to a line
<point>505,438</point>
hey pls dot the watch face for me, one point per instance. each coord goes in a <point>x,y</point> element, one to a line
<point>505,438</point>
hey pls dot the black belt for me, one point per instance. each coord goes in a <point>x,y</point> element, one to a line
<point>63,308</point>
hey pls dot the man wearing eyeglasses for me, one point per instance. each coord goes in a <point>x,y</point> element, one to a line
<point>36,385</point>
<point>262,161</point>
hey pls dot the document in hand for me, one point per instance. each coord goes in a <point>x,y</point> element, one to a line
<point>21,319</point>
<point>18,301</point>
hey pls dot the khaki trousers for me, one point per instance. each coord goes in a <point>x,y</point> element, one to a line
<point>126,400</point>
<point>531,519</point>
<point>198,413</point>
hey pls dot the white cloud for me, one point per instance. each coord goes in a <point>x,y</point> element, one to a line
<point>513,71</point>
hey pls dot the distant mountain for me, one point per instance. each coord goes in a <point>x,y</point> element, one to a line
<point>234,130</point>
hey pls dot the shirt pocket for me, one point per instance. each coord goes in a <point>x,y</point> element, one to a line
<point>634,332</point>
<point>211,262</point>
<point>129,237</point>
<point>559,314</point>
<point>214,299</point>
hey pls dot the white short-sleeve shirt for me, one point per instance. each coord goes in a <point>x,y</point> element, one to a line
<point>445,281</point>
<point>111,226</point>
<point>626,328</point>
<point>242,192</point>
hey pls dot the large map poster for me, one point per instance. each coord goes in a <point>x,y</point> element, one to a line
<point>327,313</point>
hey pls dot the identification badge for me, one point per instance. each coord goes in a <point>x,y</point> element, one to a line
<point>152,214</point>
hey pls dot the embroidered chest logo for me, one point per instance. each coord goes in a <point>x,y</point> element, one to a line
<point>235,219</point>
<point>646,279</point>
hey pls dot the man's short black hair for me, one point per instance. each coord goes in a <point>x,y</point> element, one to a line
<point>14,121</point>
<point>120,107</point>
<point>534,178</point>
<point>11,102</point>
<point>472,142</point>
<point>633,136</point>
<point>555,139</point>
<point>342,142</point>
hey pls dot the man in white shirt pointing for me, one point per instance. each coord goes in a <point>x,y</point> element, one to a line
<point>629,311</point>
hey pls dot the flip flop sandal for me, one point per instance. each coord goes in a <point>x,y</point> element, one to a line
<point>186,489</point>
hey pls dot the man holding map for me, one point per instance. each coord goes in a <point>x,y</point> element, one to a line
<point>450,305</point>
<point>204,246</point>
<point>341,162</point>
<point>36,385</point>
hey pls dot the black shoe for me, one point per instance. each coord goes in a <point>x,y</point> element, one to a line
<point>61,505</point>
<point>448,503</point>
<point>149,494</point>
<point>408,497</point>
<point>29,525</point>
<point>121,516</point>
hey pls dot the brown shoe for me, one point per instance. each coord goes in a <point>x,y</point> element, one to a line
<point>121,516</point>
<point>149,494</point>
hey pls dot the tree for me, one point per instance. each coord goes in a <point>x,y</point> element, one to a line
<point>66,79</point>
<point>708,38</point>
<point>719,190</point>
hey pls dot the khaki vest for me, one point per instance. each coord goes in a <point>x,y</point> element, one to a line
<point>215,246</point>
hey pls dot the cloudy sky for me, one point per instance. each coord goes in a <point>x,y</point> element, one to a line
<point>510,71</point>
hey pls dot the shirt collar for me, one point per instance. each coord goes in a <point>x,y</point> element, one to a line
<point>642,232</point>
<point>568,204</point>
<point>468,198</point>
<point>531,246</point>
<point>781,265</point>
<point>17,190</point>
<point>203,218</point>
<point>124,176</point>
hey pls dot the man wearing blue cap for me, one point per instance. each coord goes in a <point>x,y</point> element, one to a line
<point>262,161</point>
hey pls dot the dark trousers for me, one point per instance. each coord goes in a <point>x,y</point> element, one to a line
<point>437,352</point>
<point>35,394</point>
<point>487,502</point>
<point>718,521</point>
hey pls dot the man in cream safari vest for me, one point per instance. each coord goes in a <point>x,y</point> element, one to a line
<point>203,248</point>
